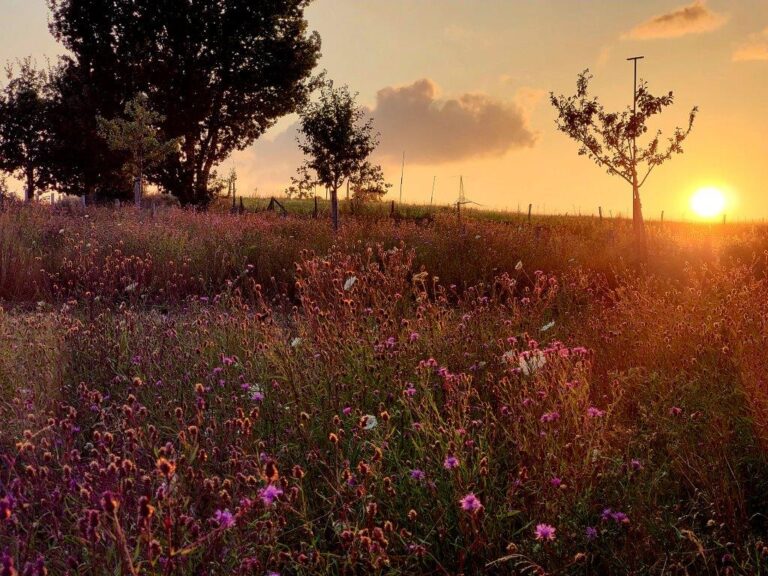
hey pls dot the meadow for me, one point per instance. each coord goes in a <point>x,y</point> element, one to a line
<point>208,393</point>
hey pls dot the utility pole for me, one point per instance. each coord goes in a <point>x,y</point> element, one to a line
<point>402,171</point>
<point>637,210</point>
<point>432,197</point>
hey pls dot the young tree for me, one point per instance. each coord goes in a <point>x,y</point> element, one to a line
<point>24,134</point>
<point>368,183</point>
<point>337,139</point>
<point>221,73</point>
<point>610,138</point>
<point>138,136</point>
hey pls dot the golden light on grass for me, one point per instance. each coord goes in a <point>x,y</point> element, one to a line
<point>708,202</point>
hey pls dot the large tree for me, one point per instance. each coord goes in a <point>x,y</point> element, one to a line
<point>610,139</point>
<point>24,127</point>
<point>220,73</point>
<point>337,138</point>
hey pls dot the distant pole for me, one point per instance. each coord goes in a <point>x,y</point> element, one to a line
<point>432,196</point>
<point>600,212</point>
<point>402,171</point>
<point>662,216</point>
<point>530,207</point>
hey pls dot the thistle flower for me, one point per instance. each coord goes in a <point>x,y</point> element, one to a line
<point>269,494</point>
<point>450,462</point>
<point>470,503</point>
<point>417,474</point>
<point>224,518</point>
<point>544,532</point>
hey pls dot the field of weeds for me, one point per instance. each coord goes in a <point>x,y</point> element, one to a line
<point>205,393</point>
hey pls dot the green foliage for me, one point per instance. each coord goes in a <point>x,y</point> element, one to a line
<point>337,139</point>
<point>24,125</point>
<point>139,136</point>
<point>220,73</point>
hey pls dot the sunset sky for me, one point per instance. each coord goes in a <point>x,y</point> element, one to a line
<point>461,87</point>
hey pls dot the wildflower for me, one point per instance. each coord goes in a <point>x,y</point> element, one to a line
<point>556,482</point>
<point>349,283</point>
<point>347,410</point>
<point>591,532</point>
<point>519,265</point>
<point>295,342</point>
<point>547,326</point>
<point>550,416</point>
<point>417,474</point>
<point>369,422</point>
<point>675,411</point>
<point>410,390</point>
<point>636,464</point>
<point>269,494</point>
<point>471,503</point>
<point>224,518</point>
<point>413,337</point>
<point>544,532</point>
<point>593,412</point>
<point>450,462</point>
<point>531,362</point>
<point>256,393</point>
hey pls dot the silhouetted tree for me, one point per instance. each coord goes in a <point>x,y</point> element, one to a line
<point>220,73</point>
<point>24,126</point>
<point>368,183</point>
<point>140,138</point>
<point>610,138</point>
<point>337,139</point>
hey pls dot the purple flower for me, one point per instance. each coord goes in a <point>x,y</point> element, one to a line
<point>417,474</point>
<point>544,532</point>
<point>450,463</point>
<point>224,518</point>
<point>556,482</point>
<point>550,416</point>
<point>471,503</point>
<point>413,337</point>
<point>347,410</point>
<point>636,464</point>
<point>591,532</point>
<point>593,412</point>
<point>269,494</point>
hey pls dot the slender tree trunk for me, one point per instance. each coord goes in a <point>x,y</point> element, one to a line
<point>137,192</point>
<point>335,207</point>
<point>29,192</point>
<point>638,224</point>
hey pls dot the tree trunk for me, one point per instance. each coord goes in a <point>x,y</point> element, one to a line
<point>335,208</point>
<point>638,224</point>
<point>137,184</point>
<point>29,192</point>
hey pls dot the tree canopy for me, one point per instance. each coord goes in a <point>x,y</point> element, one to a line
<point>220,73</point>
<point>24,126</point>
<point>337,138</point>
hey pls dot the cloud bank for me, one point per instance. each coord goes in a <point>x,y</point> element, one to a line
<point>756,48</point>
<point>695,18</point>
<point>431,131</point>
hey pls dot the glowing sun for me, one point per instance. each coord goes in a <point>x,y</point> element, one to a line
<point>708,202</point>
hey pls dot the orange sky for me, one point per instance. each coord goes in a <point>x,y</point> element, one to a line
<point>461,87</point>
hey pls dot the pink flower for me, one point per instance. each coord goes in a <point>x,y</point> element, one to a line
<point>471,503</point>
<point>450,463</point>
<point>550,416</point>
<point>224,518</point>
<point>675,411</point>
<point>414,336</point>
<point>269,494</point>
<point>347,410</point>
<point>593,412</point>
<point>544,532</point>
<point>556,482</point>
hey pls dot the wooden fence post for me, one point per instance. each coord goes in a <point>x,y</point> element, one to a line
<point>530,207</point>
<point>600,211</point>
